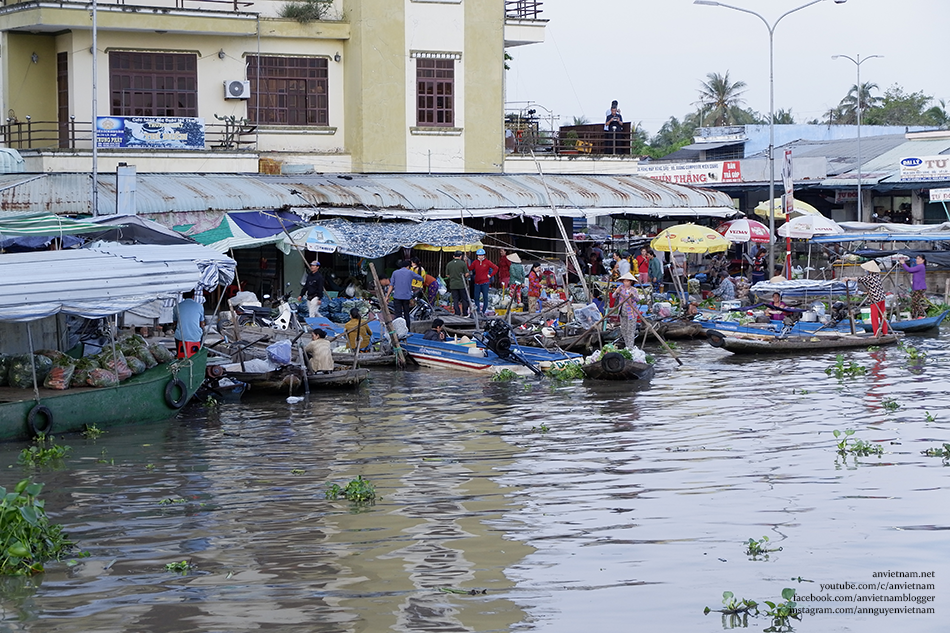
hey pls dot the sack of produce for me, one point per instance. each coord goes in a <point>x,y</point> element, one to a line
<point>161,353</point>
<point>81,371</point>
<point>116,363</point>
<point>21,370</point>
<point>135,365</point>
<point>4,369</point>
<point>61,375</point>
<point>53,354</point>
<point>145,355</point>
<point>102,378</point>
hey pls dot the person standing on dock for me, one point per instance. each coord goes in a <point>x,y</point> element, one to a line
<point>483,270</point>
<point>313,289</point>
<point>516,276</point>
<point>655,270</point>
<point>918,285</point>
<point>402,279</point>
<point>626,297</point>
<point>875,289</point>
<point>457,272</point>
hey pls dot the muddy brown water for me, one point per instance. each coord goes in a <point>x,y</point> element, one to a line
<point>566,507</point>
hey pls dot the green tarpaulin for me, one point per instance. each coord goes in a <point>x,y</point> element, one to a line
<point>45,224</point>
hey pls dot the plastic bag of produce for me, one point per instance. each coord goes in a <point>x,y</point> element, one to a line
<point>81,372</point>
<point>135,365</point>
<point>21,370</point>
<point>279,352</point>
<point>161,353</point>
<point>102,378</point>
<point>61,375</point>
<point>146,357</point>
<point>116,363</point>
<point>4,369</point>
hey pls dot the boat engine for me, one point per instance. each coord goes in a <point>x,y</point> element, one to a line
<point>498,338</point>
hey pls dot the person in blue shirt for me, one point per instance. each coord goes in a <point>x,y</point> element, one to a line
<point>401,285</point>
<point>189,319</point>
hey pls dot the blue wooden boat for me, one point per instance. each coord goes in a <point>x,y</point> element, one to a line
<point>909,326</point>
<point>497,351</point>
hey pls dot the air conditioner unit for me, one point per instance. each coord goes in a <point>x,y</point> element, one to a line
<point>237,89</point>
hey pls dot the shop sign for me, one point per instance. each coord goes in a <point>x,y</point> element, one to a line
<point>150,132</point>
<point>702,174</point>
<point>842,196</point>
<point>940,195</point>
<point>925,168</point>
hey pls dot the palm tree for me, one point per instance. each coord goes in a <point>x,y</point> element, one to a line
<point>720,99</point>
<point>784,117</point>
<point>581,120</point>
<point>857,98</point>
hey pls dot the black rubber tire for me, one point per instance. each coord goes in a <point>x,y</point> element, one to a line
<point>31,422</point>
<point>613,363</point>
<point>715,338</point>
<point>170,399</point>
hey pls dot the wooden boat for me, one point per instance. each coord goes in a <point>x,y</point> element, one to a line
<point>482,358</point>
<point>679,329</point>
<point>759,343</point>
<point>910,326</point>
<point>366,359</point>
<point>152,396</point>
<point>614,366</point>
<point>287,381</point>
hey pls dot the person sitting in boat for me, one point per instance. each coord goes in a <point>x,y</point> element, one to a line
<point>189,318</point>
<point>321,356</point>
<point>918,285</point>
<point>357,326</point>
<point>775,309</point>
<point>726,290</point>
<point>435,333</point>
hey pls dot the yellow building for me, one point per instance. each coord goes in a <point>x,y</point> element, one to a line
<point>370,86</point>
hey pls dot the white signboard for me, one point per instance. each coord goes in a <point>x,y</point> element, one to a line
<point>940,195</point>
<point>845,196</point>
<point>925,168</point>
<point>693,173</point>
<point>787,181</point>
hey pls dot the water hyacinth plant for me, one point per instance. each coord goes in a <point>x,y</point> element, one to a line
<point>358,490</point>
<point>28,537</point>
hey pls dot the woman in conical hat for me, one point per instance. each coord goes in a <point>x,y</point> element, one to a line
<point>874,285</point>
<point>626,296</point>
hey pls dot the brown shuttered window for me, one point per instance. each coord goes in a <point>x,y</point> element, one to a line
<point>435,92</point>
<point>153,84</point>
<point>288,90</point>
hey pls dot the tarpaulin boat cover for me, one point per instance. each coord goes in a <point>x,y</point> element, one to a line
<point>372,240</point>
<point>88,283</point>
<point>46,224</point>
<point>215,269</point>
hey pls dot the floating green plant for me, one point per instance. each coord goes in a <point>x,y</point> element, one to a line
<point>28,537</point>
<point>92,432</point>
<point>734,606</point>
<point>568,371</point>
<point>758,548</point>
<point>544,428</point>
<point>505,375</point>
<point>782,612</point>
<point>181,567</point>
<point>929,417</point>
<point>852,445</point>
<point>358,490</point>
<point>943,451</point>
<point>841,370</point>
<point>42,452</point>
<point>890,405</point>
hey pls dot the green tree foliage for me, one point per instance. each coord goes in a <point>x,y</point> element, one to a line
<point>720,99</point>
<point>863,99</point>
<point>783,117</point>
<point>896,107</point>
<point>899,108</point>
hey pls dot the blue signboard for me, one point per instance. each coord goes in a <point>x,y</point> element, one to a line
<point>150,132</point>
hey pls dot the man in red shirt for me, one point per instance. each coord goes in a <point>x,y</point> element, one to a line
<point>504,268</point>
<point>483,270</point>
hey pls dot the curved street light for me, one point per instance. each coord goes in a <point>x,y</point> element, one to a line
<point>857,62</point>
<point>771,28</point>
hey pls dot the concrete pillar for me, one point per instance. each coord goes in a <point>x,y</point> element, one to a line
<point>917,205</point>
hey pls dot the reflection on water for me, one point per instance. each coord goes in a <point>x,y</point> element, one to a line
<point>563,507</point>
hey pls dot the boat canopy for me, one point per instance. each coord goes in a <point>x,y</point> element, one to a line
<point>96,282</point>
<point>889,232</point>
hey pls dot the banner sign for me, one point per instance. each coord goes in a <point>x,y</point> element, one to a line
<point>940,195</point>
<point>693,173</point>
<point>842,195</point>
<point>925,168</point>
<point>789,186</point>
<point>150,132</point>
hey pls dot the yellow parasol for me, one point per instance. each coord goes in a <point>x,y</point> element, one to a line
<point>690,238</point>
<point>467,248</point>
<point>801,208</point>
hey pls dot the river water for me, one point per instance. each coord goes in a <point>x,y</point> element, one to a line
<point>566,507</point>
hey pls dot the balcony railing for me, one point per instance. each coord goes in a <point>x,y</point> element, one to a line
<point>522,9</point>
<point>581,140</point>
<point>212,5</point>
<point>228,135</point>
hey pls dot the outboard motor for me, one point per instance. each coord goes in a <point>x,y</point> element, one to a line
<point>498,338</point>
<point>839,311</point>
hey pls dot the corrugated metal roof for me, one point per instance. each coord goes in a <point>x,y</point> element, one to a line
<point>408,196</point>
<point>886,166</point>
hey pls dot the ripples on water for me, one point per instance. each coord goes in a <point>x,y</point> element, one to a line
<point>577,507</point>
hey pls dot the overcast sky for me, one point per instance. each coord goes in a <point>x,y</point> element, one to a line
<point>651,55</point>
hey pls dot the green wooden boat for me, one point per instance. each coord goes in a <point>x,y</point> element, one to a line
<point>152,396</point>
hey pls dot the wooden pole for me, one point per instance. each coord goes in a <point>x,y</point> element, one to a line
<point>847,294</point>
<point>387,319</point>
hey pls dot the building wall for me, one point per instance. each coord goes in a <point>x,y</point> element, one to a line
<point>484,78</point>
<point>29,89</point>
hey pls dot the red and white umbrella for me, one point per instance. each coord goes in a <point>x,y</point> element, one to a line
<point>745,230</point>
<point>805,227</point>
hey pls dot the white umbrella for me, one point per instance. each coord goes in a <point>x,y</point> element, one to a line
<point>805,227</point>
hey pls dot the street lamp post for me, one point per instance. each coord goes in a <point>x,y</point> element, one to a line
<point>771,29</point>
<point>857,62</point>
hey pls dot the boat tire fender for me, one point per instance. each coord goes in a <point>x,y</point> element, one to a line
<point>716,339</point>
<point>613,363</point>
<point>176,385</point>
<point>39,420</point>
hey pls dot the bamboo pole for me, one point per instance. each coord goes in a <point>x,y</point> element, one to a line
<point>387,319</point>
